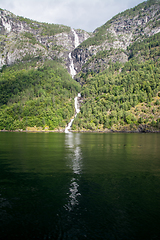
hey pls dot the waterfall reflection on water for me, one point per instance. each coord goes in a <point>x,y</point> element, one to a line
<point>72,142</point>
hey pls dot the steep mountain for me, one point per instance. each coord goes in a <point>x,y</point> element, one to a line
<point>117,68</point>
<point>23,39</point>
<point>109,43</point>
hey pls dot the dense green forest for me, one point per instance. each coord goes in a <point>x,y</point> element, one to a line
<point>36,94</point>
<point>124,97</point>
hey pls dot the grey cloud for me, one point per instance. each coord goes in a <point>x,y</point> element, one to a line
<point>84,14</point>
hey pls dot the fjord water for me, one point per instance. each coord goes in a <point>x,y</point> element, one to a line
<point>79,186</point>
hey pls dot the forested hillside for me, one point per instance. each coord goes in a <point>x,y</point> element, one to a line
<point>124,97</point>
<point>36,94</point>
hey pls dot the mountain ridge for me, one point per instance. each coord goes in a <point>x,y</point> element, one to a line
<point>116,35</point>
<point>54,41</point>
<point>21,37</point>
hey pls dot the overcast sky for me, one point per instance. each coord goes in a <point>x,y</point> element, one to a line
<point>84,14</point>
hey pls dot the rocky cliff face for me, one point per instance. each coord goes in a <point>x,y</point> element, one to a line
<point>109,43</point>
<point>24,39</point>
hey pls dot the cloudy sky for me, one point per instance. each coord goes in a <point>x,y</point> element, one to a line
<point>84,14</point>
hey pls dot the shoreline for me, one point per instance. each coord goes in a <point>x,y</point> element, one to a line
<point>84,131</point>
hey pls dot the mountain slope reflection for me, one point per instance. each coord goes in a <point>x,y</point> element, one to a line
<point>72,142</point>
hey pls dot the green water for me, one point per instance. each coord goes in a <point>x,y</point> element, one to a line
<point>79,186</point>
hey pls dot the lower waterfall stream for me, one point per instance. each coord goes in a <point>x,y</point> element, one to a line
<point>77,110</point>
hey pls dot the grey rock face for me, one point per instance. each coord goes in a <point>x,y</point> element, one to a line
<point>22,39</point>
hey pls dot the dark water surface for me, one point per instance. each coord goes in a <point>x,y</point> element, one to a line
<point>79,186</point>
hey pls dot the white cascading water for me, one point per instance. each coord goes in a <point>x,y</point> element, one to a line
<point>76,43</point>
<point>71,66</point>
<point>77,110</point>
<point>76,38</point>
<point>73,73</point>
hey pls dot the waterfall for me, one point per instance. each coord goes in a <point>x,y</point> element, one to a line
<point>73,73</point>
<point>77,110</point>
<point>76,38</point>
<point>71,66</point>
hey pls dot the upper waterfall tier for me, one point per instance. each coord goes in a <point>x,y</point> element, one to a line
<point>76,38</point>
<point>71,66</point>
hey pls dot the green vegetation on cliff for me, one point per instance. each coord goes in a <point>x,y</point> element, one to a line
<point>101,34</point>
<point>46,29</point>
<point>36,94</point>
